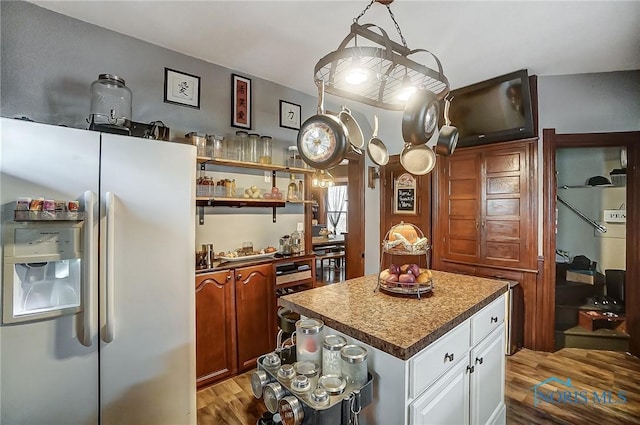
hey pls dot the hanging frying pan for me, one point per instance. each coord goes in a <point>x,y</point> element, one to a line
<point>375,148</point>
<point>420,117</point>
<point>448,137</point>
<point>418,159</point>
<point>356,138</point>
<point>323,139</point>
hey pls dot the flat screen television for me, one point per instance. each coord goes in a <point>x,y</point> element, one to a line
<point>492,111</point>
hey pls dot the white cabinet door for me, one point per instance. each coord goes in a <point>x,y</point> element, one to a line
<point>487,379</point>
<point>446,401</point>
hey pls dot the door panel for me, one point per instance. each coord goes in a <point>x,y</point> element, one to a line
<point>389,173</point>
<point>216,356</point>
<point>47,375</point>
<point>487,380</point>
<point>147,373</point>
<point>255,301</point>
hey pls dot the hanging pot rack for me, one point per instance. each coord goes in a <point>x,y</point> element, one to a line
<point>387,64</point>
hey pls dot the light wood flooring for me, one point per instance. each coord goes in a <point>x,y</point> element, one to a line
<point>231,401</point>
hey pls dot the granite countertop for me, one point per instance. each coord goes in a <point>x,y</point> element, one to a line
<point>400,326</point>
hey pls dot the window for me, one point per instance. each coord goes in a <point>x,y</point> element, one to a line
<point>337,208</point>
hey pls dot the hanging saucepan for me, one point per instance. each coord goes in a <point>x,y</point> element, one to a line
<point>356,138</point>
<point>448,137</point>
<point>323,139</point>
<point>420,117</point>
<point>375,148</point>
<point>418,159</point>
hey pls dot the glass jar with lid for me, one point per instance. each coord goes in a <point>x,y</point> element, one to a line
<point>236,150</point>
<point>110,101</point>
<point>266,150</point>
<point>301,386</point>
<point>354,364</point>
<point>292,157</point>
<point>272,393</point>
<point>331,346</point>
<point>215,146</point>
<point>308,369</point>
<point>252,148</point>
<point>309,340</point>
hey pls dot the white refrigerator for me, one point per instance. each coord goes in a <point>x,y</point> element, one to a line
<point>98,307</point>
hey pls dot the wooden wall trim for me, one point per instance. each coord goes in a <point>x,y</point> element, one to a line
<point>354,240</point>
<point>632,301</point>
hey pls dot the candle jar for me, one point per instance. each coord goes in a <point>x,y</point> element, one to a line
<point>331,346</point>
<point>354,365</point>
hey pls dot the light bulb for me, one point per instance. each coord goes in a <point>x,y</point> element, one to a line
<point>406,90</point>
<point>356,74</point>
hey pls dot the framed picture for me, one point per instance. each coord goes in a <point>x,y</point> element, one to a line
<point>240,101</point>
<point>181,88</point>
<point>404,194</point>
<point>290,115</point>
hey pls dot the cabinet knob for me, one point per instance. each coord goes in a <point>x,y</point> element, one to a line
<point>494,319</point>
<point>479,360</point>
<point>448,356</point>
<point>229,277</point>
<point>239,276</point>
<point>470,369</point>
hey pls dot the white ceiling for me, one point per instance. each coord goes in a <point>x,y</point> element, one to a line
<point>281,41</point>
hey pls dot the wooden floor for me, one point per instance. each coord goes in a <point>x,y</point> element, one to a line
<point>231,402</point>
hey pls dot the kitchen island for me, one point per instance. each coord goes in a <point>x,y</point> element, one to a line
<point>430,356</point>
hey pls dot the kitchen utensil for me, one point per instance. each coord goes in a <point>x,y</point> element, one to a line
<point>356,138</point>
<point>420,117</point>
<point>323,139</point>
<point>418,159</point>
<point>448,137</point>
<point>375,148</point>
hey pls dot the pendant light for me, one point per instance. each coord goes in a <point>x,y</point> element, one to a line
<point>368,67</point>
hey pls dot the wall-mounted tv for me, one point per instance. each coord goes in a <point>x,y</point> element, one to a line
<point>492,111</point>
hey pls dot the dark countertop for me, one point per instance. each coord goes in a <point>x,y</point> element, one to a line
<point>226,265</point>
<point>400,326</point>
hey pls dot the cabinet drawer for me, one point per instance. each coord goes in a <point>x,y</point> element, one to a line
<point>432,363</point>
<point>500,274</point>
<point>487,319</point>
<point>458,268</point>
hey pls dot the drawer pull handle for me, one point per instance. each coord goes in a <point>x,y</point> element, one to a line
<point>479,360</point>
<point>448,356</point>
<point>494,319</point>
<point>470,369</point>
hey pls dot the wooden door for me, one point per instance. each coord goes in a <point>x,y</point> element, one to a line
<point>505,207</point>
<point>459,212</point>
<point>389,218</point>
<point>255,313</point>
<point>216,357</point>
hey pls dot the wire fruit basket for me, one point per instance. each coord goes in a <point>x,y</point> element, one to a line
<point>407,279</point>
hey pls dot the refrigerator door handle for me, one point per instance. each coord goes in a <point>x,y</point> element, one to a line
<point>108,331</point>
<point>89,274</point>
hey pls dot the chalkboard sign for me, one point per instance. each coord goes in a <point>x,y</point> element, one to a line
<point>406,200</point>
<point>405,195</point>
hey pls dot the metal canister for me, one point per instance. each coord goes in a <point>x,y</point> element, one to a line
<point>291,412</point>
<point>209,254</point>
<point>259,379</point>
<point>272,394</point>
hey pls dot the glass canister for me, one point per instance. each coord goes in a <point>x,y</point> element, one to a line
<point>252,148</point>
<point>309,340</point>
<point>319,398</point>
<point>199,140</point>
<point>286,373</point>
<point>301,386</point>
<point>271,362</point>
<point>236,151</point>
<point>354,364</point>
<point>331,346</point>
<point>110,101</point>
<point>215,146</point>
<point>308,369</point>
<point>292,157</point>
<point>266,150</point>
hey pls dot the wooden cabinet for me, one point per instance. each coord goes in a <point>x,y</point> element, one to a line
<point>235,321</point>
<point>486,206</point>
<point>255,304</point>
<point>216,356</point>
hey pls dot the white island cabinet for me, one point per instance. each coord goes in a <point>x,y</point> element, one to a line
<point>439,360</point>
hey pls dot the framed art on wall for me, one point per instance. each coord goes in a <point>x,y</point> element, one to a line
<point>181,88</point>
<point>290,115</point>
<point>240,101</point>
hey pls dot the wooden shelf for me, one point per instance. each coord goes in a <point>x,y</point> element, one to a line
<point>239,202</point>
<point>256,166</point>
